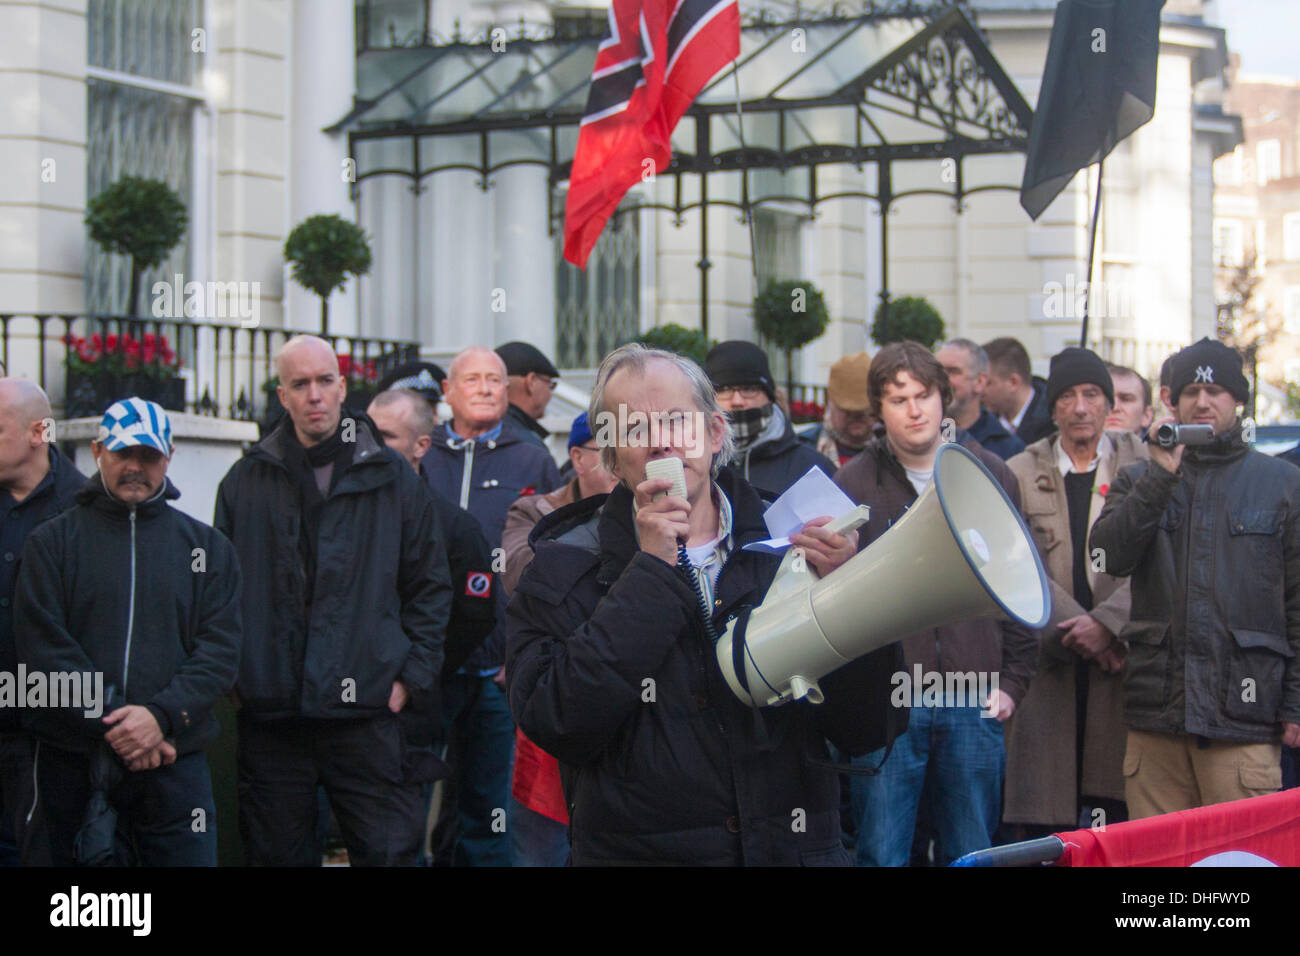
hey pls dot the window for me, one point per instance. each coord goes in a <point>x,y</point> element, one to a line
<point>1261,250</point>
<point>1227,243</point>
<point>134,130</point>
<point>1291,236</point>
<point>599,309</point>
<point>1291,308</point>
<point>1227,169</point>
<point>1268,161</point>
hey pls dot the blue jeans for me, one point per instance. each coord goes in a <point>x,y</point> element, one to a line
<point>480,737</point>
<point>952,758</point>
<point>536,839</point>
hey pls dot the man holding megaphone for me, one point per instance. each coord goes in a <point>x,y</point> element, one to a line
<point>953,753</point>
<point>611,661</point>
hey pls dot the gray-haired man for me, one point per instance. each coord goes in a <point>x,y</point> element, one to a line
<point>611,668</point>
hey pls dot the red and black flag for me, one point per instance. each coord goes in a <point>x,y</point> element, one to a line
<point>655,58</point>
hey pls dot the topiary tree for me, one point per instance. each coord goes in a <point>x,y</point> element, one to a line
<point>790,314</point>
<point>140,218</point>
<point>692,343</point>
<point>911,318</point>
<point>324,250</point>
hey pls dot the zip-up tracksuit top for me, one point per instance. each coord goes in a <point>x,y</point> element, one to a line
<point>146,595</point>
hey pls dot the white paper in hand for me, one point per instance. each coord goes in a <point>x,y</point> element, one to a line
<point>812,496</point>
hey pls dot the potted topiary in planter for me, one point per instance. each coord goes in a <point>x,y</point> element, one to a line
<point>692,343</point>
<point>324,251</point>
<point>105,368</point>
<point>790,314</point>
<point>911,318</point>
<point>140,218</point>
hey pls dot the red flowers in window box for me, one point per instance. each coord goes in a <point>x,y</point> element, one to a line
<point>150,355</point>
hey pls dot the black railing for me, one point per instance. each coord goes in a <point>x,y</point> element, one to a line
<point>223,370</point>
<point>807,402</point>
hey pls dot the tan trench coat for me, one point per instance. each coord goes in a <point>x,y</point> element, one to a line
<point>1041,786</point>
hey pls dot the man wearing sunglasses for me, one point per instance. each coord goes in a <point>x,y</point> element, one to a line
<point>532,378</point>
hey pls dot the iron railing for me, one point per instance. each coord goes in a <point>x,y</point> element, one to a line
<point>225,367</point>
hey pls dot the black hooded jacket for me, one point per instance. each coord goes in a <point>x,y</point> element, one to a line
<point>609,668</point>
<point>381,595</point>
<point>148,596</point>
<point>773,466</point>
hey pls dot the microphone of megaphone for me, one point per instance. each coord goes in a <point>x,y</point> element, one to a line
<point>961,551</point>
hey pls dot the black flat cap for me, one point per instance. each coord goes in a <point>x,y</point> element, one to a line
<point>522,358</point>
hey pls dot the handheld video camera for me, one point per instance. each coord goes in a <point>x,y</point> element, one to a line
<point>1169,435</point>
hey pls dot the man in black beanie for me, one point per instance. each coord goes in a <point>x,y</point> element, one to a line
<point>768,454</point>
<point>1072,716</point>
<point>1210,535</point>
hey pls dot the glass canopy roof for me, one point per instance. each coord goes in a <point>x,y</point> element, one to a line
<point>917,83</point>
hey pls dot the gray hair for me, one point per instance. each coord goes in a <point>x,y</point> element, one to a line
<point>635,357</point>
<point>421,416</point>
<point>979,359</point>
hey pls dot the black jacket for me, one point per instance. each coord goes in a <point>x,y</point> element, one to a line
<point>473,612</point>
<point>1037,422</point>
<point>529,428</point>
<point>382,591</point>
<point>609,669</point>
<point>993,436</point>
<point>147,596</point>
<point>1214,553</point>
<point>51,497</point>
<point>773,466</point>
<point>485,477</point>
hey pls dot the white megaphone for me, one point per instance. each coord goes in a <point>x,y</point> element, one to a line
<point>961,551</point>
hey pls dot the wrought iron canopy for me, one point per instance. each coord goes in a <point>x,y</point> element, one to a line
<point>900,81</point>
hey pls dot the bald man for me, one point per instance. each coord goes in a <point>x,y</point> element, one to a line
<point>346,596</point>
<point>36,482</point>
<point>482,467</point>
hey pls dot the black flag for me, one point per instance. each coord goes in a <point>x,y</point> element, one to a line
<point>1099,85</point>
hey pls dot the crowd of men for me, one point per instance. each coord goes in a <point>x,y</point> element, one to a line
<point>466,655</point>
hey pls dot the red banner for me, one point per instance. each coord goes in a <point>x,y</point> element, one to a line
<point>1259,831</point>
<point>655,58</point>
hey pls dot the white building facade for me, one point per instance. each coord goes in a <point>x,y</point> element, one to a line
<point>230,102</point>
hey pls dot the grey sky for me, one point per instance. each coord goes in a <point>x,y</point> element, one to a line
<point>1264,32</point>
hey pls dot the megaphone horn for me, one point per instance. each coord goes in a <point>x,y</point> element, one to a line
<point>960,552</point>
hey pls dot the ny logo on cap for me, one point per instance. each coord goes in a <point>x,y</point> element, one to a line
<point>1204,373</point>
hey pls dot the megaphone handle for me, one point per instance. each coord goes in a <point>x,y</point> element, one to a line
<point>850,520</point>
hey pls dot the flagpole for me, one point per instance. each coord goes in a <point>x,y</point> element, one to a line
<point>744,180</point>
<point>1092,251</point>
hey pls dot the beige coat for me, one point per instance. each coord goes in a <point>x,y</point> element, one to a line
<point>1041,786</point>
<point>522,517</point>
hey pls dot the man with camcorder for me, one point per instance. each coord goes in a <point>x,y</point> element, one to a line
<point>1210,534</point>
